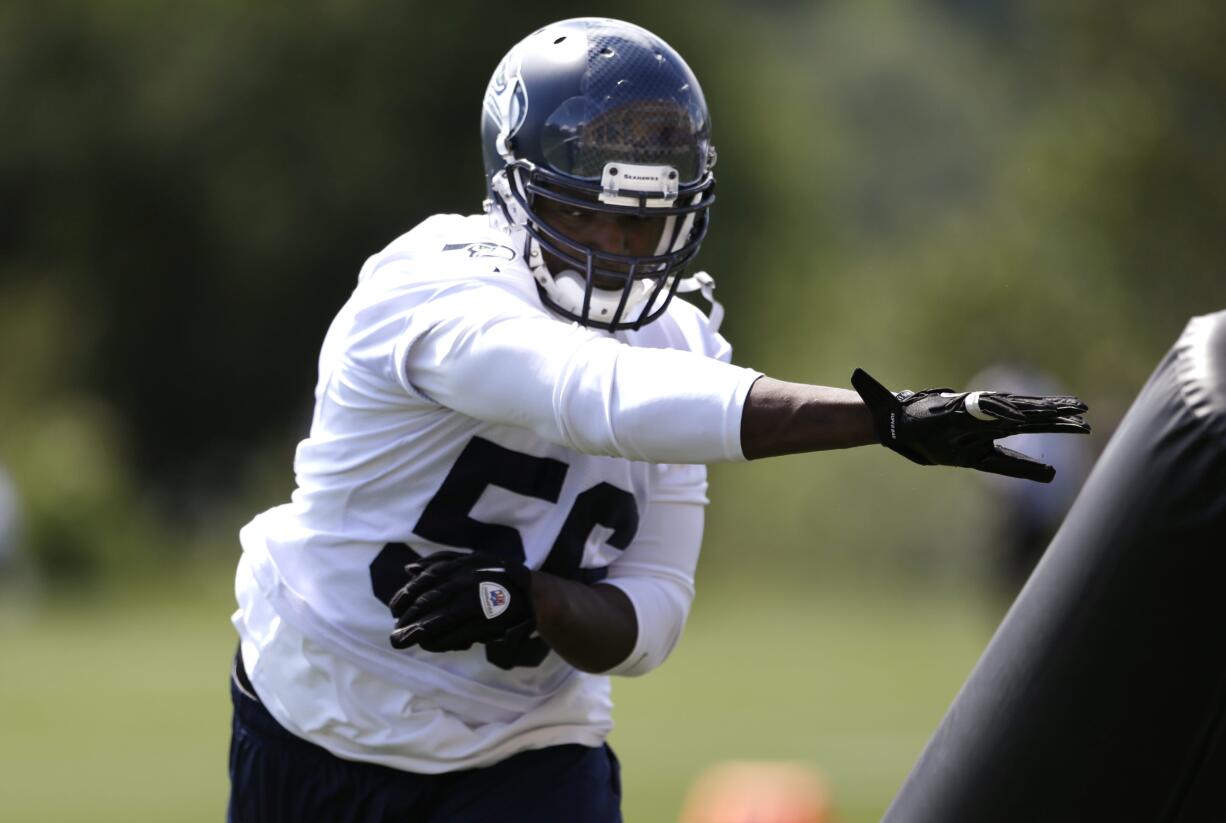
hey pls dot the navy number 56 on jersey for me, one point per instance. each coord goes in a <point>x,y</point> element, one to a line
<point>446,520</point>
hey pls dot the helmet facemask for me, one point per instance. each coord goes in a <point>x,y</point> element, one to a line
<point>595,287</point>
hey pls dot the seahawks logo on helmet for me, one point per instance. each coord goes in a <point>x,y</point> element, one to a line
<point>506,101</point>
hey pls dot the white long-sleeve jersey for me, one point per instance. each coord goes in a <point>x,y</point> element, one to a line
<point>454,411</point>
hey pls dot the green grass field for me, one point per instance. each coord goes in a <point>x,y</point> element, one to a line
<point>117,709</point>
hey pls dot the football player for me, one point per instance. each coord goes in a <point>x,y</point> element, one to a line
<point>500,501</point>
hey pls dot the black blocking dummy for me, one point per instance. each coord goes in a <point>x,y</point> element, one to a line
<point>1102,695</point>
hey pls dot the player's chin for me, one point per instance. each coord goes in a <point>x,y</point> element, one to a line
<point>608,282</point>
<point>615,278</point>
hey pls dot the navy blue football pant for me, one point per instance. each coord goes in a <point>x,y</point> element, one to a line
<point>275,777</point>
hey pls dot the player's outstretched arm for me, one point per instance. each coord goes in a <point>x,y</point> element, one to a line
<point>789,418</point>
<point>593,394</point>
<point>931,427</point>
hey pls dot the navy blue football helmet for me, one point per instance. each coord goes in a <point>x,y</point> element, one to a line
<point>602,115</point>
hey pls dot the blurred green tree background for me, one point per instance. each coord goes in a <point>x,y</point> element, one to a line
<point>187,192</point>
<point>918,188</point>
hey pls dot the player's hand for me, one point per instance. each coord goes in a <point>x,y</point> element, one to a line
<point>453,600</point>
<point>948,428</point>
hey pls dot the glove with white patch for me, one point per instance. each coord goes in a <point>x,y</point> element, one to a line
<point>453,600</point>
<point>947,428</point>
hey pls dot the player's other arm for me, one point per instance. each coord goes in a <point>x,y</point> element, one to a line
<point>448,605</point>
<point>593,628</point>
<point>630,623</point>
<point>625,625</point>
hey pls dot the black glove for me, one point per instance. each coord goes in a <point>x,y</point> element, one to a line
<point>454,600</point>
<point>947,428</point>
<point>520,646</point>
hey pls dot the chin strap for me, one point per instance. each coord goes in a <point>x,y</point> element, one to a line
<point>702,282</point>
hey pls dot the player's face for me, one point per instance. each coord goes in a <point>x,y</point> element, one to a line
<point>611,233</point>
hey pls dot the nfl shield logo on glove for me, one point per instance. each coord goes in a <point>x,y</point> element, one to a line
<point>494,599</point>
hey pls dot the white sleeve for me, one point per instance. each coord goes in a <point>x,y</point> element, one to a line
<point>478,351</point>
<point>657,573</point>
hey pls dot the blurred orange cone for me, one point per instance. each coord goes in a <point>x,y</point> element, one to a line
<point>763,792</point>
